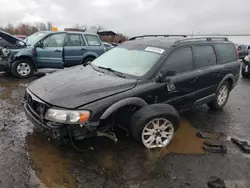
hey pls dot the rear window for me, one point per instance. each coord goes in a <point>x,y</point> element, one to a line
<point>226,53</point>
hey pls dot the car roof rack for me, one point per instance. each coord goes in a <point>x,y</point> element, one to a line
<point>143,36</point>
<point>201,38</point>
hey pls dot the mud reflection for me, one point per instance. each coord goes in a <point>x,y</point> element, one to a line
<point>10,88</point>
<point>51,167</point>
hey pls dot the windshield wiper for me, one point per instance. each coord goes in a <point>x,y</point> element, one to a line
<point>117,73</point>
<point>92,67</point>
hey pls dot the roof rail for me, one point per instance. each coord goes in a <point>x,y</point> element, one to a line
<point>143,36</point>
<point>202,38</point>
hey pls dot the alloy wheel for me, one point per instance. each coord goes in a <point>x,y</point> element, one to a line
<point>222,95</point>
<point>157,133</point>
<point>23,69</point>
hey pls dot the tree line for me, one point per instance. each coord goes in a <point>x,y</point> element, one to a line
<point>28,29</point>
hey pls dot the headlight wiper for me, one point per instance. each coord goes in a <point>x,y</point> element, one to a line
<point>113,71</point>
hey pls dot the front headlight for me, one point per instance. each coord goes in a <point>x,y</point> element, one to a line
<point>67,116</point>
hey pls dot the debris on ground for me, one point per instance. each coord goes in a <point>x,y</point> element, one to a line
<point>243,145</point>
<point>212,143</point>
<point>203,135</point>
<point>215,149</point>
<point>215,182</point>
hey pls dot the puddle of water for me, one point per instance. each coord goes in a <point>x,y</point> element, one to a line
<point>5,94</point>
<point>52,167</point>
<point>108,160</point>
<point>34,181</point>
<point>185,141</point>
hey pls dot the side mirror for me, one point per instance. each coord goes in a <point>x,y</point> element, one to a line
<point>163,76</point>
<point>20,44</point>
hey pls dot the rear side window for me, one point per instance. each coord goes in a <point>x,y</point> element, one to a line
<point>74,40</point>
<point>204,56</point>
<point>93,40</point>
<point>180,60</point>
<point>226,53</point>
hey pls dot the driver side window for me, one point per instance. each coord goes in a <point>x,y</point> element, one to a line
<point>180,60</point>
<point>54,40</point>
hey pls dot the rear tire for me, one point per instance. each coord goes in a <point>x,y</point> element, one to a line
<point>88,59</point>
<point>221,97</point>
<point>22,68</point>
<point>154,125</point>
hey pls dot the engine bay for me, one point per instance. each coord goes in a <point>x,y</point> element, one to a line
<point>4,57</point>
<point>4,53</point>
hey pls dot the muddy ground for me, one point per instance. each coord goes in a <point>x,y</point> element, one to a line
<point>28,159</point>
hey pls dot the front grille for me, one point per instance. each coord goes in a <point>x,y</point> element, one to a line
<point>38,107</point>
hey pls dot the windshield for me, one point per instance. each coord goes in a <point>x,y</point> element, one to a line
<point>133,62</point>
<point>33,38</point>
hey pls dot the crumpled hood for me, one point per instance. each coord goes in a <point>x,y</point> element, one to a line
<point>78,86</point>
<point>10,38</point>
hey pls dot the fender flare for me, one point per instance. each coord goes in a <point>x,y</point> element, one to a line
<point>227,77</point>
<point>27,56</point>
<point>124,102</point>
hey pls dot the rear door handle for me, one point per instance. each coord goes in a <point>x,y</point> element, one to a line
<point>58,50</point>
<point>193,80</point>
<point>83,49</point>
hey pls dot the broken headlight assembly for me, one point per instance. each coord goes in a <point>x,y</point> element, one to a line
<point>67,116</point>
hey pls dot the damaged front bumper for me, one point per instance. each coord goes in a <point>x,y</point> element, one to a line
<point>4,65</point>
<point>35,110</point>
<point>58,131</point>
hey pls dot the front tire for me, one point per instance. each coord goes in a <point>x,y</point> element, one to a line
<point>22,68</point>
<point>154,125</point>
<point>221,97</point>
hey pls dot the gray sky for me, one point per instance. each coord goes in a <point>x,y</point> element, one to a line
<point>133,17</point>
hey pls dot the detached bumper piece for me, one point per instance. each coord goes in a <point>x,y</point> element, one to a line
<point>243,145</point>
<point>215,182</point>
<point>214,147</point>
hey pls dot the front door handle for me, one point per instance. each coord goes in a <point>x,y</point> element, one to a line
<point>58,50</point>
<point>219,74</point>
<point>193,80</point>
<point>83,49</point>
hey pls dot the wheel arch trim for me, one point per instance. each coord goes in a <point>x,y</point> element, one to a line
<point>227,77</point>
<point>124,102</point>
